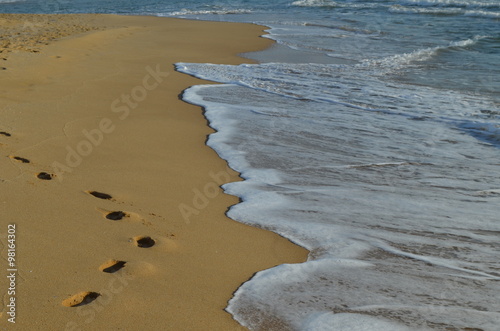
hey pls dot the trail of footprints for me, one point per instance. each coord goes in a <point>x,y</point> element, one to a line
<point>110,266</point>
<point>20,159</point>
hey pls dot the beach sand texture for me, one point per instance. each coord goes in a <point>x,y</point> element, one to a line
<point>120,221</point>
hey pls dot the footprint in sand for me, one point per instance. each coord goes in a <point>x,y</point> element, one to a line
<point>112,266</point>
<point>100,195</point>
<point>5,133</point>
<point>44,176</point>
<point>20,159</point>
<point>121,215</point>
<point>116,215</point>
<point>80,299</point>
<point>144,241</point>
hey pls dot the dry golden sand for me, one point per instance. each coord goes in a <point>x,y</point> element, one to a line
<point>22,32</point>
<point>68,133</point>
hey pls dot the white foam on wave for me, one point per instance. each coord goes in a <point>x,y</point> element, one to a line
<point>463,11</point>
<point>375,301</point>
<point>396,62</point>
<point>482,13</point>
<point>389,207</point>
<point>325,321</point>
<point>333,4</point>
<point>453,3</point>
<point>220,119</point>
<point>315,3</point>
<point>356,86</point>
<point>430,11</point>
<point>222,11</point>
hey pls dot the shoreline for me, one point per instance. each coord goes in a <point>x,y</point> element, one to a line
<point>100,111</point>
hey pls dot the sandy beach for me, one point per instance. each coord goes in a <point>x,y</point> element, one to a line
<point>109,194</point>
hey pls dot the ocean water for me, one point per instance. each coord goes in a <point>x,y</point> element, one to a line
<point>369,134</point>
